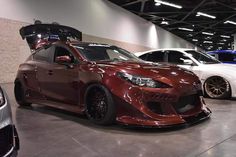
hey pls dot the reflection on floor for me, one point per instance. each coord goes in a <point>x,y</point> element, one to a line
<point>46,132</point>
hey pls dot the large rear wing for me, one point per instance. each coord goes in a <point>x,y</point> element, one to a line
<point>47,33</point>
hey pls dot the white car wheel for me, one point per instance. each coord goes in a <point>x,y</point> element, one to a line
<point>217,87</point>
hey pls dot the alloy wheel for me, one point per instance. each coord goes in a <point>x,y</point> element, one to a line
<point>217,87</point>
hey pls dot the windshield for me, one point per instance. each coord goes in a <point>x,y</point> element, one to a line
<point>203,57</point>
<point>100,52</point>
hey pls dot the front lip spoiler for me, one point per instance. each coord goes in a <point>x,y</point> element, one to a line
<point>189,122</point>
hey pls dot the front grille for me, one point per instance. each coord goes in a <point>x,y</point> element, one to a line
<point>159,97</point>
<point>187,103</point>
<point>6,139</point>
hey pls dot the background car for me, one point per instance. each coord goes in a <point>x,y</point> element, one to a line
<point>105,82</point>
<point>9,141</point>
<point>219,80</point>
<point>225,56</point>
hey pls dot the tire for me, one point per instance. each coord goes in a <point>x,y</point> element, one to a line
<point>217,88</point>
<point>20,94</point>
<point>100,107</point>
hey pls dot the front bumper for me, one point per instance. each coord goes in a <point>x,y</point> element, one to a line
<point>160,108</point>
<point>151,123</point>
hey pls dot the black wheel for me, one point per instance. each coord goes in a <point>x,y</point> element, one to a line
<point>20,95</point>
<point>217,87</point>
<point>100,107</point>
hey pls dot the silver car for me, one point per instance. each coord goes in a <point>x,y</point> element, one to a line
<point>9,141</point>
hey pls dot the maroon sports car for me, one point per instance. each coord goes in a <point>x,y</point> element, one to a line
<point>107,83</point>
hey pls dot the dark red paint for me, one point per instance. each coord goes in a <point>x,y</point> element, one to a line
<point>64,87</point>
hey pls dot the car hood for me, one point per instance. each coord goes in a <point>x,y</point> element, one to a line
<point>162,72</point>
<point>221,68</point>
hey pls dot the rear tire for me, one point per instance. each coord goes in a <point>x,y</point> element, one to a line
<point>217,88</point>
<point>100,107</point>
<point>20,94</point>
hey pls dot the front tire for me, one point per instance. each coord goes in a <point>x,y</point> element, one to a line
<point>100,107</point>
<point>217,88</point>
<point>20,94</point>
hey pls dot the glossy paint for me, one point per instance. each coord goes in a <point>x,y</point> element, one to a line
<point>64,87</point>
<point>225,52</point>
<point>205,71</point>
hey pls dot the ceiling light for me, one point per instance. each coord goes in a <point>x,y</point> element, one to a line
<point>207,42</point>
<point>221,43</point>
<point>225,36</point>
<point>39,35</point>
<point>206,15</point>
<point>231,22</point>
<point>157,4</point>
<point>164,22</point>
<point>185,29</point>
<point>169,4</point>
<point>206,33</point>
<point>195,40</point>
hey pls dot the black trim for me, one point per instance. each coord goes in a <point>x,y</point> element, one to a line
<point>9,139</point>
<point>49,32</point>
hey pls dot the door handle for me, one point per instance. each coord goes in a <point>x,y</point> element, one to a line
<point>50,72</point>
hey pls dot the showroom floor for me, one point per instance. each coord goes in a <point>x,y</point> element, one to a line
<point>47,132</point>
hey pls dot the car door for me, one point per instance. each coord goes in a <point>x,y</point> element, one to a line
<point>43,59</point>
<point>62,79</point>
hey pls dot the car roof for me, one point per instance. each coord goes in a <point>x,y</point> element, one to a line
<point>163,49</point>
<point>222,51</point>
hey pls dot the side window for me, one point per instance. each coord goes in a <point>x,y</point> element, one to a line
<point>43,55</point>
<point>144,57</point>
<point>61,51</point>
<point>157,56</point>
<point>175,57</point>
<point>227,57</point>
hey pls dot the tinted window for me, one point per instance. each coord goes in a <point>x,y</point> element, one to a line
<point>157,56</point>
<point>176,57</point>
<point>61,51</point>
<point>144,57</point>
<point>43,55</point>
<point>226,57</point>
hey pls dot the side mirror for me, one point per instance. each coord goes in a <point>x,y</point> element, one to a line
<point>188,62</point>
<point>63,60</point>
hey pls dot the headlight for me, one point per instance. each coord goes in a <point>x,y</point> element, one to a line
<point>142,81</point>
<point>2,99</point>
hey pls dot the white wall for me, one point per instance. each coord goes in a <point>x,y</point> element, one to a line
<point>94,17</point>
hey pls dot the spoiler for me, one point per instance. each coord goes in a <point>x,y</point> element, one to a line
<point>48,33</point>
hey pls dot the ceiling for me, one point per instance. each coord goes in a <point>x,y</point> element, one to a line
<point>223,10</point>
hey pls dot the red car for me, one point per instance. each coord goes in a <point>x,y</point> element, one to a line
<point>107,83</point>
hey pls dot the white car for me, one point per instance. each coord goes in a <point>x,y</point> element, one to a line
<point>219,80</point>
